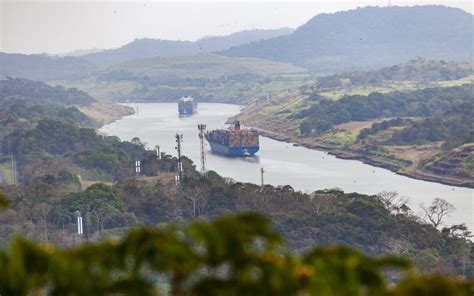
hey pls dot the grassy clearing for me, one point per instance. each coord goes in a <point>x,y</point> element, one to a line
<point>390,86</point>
<point>356,126</point>
<point>415,153</point>
<point>5,169</point>
<point>469,164</point>
<point>339,138</point>
<point>448,83</point>
<point>105,112</point>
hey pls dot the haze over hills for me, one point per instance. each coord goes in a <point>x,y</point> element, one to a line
<point>79,64</point>
<point>80,52</point>
<point>146,47</point>
<point>370,37</point>
<point>360,39</point>
<point>43,67</point>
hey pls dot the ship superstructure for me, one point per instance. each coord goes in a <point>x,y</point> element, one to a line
<point>187,105</point>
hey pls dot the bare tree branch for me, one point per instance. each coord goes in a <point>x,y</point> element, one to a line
<point>437,211</point>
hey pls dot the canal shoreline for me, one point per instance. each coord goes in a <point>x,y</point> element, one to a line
<point>304,169</point>
<point>338,153</point>
<point>352,155</point>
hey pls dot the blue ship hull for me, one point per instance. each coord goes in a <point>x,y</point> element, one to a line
<point>233,151</point>
<point>186,110</point>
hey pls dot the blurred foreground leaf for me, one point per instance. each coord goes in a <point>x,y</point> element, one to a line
<point>233,255</point>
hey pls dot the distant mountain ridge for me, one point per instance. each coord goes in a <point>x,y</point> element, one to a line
<point>146,47</point>
<point>370,37</point>
<point>43,67</point>
<point>79,52</point>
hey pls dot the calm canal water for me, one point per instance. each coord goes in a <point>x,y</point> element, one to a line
<point>302,168</point>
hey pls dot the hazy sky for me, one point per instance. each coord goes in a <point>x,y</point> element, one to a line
<point>62,26</point>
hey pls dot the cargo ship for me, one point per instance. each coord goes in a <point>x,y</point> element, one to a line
<point>235,141</point>
<point>187,105</point>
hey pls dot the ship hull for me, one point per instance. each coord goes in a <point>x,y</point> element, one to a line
<point>187,110</point>
<point>187,106</point>
<point>240,151</point>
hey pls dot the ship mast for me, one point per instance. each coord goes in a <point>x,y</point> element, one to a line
<point>202,128</point>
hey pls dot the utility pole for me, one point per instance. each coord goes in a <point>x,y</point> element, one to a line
<point>79,222</point>
<point>202,128</point>
<point>261,175</point>
<point>158,152</point>
<point>138,168</point>
<point>179,139</point>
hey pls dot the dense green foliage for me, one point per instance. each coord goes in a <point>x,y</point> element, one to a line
<point>43,135</point>
<point>99,205</point>
<point>381,126</point>
<point>324,114</point>
<point>370,37</point>
<point>44,209</point>
<point>110,157</point>
<point>3,201</point>
<point>237,255</point>
<point>20,114</point>
<point>453,127</point>
<point>24,102</point>
<point>35,92</point>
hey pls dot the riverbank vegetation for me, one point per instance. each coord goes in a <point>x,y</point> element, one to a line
<point>421,133</point>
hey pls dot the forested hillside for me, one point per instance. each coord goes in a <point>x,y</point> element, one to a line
<point>420,71</point>
<point>370,37</point>
<point>374,224</point>
<point>52,146</point>
<point>205,77</point>
<point>36,92</point>
<point>417,127</point>
<point>38,122</point>
<point>24,102</point>
<point>324,113</point>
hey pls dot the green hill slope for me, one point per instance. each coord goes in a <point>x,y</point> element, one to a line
<point>206,77</point>
<point>201,66</point>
